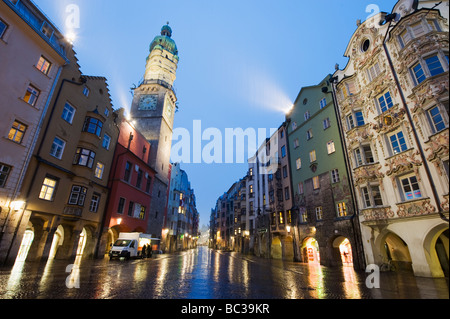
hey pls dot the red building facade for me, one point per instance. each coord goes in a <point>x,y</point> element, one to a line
<point>130,184</point>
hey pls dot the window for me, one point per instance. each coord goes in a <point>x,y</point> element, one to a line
<point>373,72</point>
<point>434,65</point>
<point>312,156</point>
<point>99,170</point>
<point>121,205</point>
<point>446,167</point>
<point>300,188</point>
<point>127,174</point>
<point>286,193</point>
<point>434,25</point>
<point>285,172</point>
<point>316,182</point>
<point>43,65</point>
<point>398,143</point>
<point>149,184</point>
<point>31,95</point>
<point>326,123</point>
<point>84,157</point>
<point>348,89</point>
<point>106,112</point>
<point>86,91</point>
<point>419,75</point>
<point>309,134</point>
<point>95,202</point>
<point>57,149</point>
<point>307,115</point>
<point>68,113</point>
<point>298,162</point>
<point>280,218</point>
<point>92,125</point>
<point>48,189</point>
<point>410,187</point>
<point>330,147</point>
<point>17,132</point>
<point>341,209</point>
<point>142,212</point>
<point>418,29</point>
<point>77,195</point>
<point>139,178</point>
<point>303,215</point>
<point>355,119</point>
<point>385,102</point>
<point>323,103</point>
<point>294,126</point>
<point>436,119</point>
<point>4,173</point>
<point>363,155</point>
<point>3,27</point>
<point>335,176</point>
<point>283,151</point>
<point>47,30</point>
<point>296,143</point>
<point>106,141</point>
<point>365,45</point>
<point>130,208</point>
<point>319,213</point>
<point>404,38</point>
<point>371,196</point>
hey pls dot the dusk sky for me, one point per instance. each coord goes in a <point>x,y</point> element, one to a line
<point>241,62</point>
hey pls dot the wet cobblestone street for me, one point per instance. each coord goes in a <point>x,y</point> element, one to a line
<point>206,274</point>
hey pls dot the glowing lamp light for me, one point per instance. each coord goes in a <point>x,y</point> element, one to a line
<point>71,37</point>
<point>288,228</point>
<point>119,221</point>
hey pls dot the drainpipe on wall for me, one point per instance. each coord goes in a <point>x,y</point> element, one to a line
<point>355,217</point>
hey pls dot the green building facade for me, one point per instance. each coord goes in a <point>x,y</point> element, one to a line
<point>328,226</point>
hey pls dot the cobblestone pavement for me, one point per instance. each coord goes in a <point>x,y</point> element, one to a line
<point>206,274</point>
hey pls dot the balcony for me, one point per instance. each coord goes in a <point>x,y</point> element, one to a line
<point>368,172</point>
<point>403,162</point>
<point>359,133</point>
<point>407,209</point>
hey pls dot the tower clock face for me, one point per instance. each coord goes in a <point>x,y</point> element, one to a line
<point>169,108</point>
<point>148,102</point>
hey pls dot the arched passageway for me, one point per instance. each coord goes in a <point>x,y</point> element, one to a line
<point>310,251</point>
<point>276,251</point>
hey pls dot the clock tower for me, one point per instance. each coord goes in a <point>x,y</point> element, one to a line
<point>153,110</point>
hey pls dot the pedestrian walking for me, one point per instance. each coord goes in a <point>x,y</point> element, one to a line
<point>144,251</point>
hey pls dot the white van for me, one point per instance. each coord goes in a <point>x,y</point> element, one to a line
<point>129,245</point>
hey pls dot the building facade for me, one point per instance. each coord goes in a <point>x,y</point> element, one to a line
<point>326,213</point>
<point>66,185</point>
<point>153,109</point>
<point>396,83</point>
<point>181,224</point>
<point>32,52</point>
<point>130,185</point>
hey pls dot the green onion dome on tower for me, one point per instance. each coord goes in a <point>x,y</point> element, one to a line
<point>165,42</point>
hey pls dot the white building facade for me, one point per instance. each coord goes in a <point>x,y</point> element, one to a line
<point>393,105</point>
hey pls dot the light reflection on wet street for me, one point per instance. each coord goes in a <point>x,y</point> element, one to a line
<point>206,274</point>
